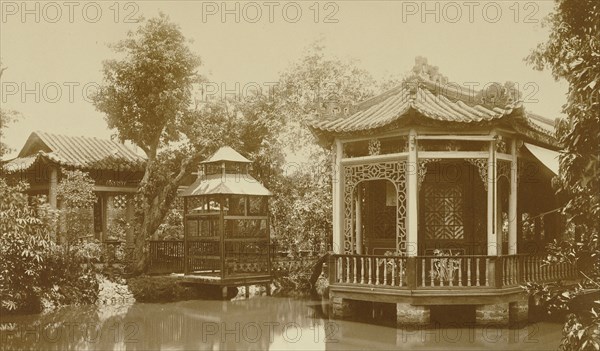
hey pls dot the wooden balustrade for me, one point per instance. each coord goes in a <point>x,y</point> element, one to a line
<point>425,272</point>
<point>384,271</point>
<point>165,256</point>
<point>453,271</point>
<point>421,272</point>
<point>535,270</point>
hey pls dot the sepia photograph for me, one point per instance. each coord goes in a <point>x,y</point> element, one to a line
<point>300,175</point>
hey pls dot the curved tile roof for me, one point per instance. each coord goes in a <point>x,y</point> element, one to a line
<point>419,95</point>
<point>76,151</point>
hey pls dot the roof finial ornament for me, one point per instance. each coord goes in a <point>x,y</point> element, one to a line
<point>420,66</point>
<point>424,70</point>
<point>331,107</point>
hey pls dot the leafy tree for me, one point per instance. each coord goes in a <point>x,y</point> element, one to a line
<point>6,117</point>
<point>301,209</point>
<point>76,191</point>
<point>146,95</point>
<point>313,79</point>
<point>572,53</point>
<point>251,126</point>
<point>25,238</point>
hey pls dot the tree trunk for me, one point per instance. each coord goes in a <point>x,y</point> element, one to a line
<point>156,207</point>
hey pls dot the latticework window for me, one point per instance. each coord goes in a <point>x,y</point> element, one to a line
<point>443,209</point>
<point>120,201</point>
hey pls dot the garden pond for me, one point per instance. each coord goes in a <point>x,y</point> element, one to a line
<point>258,323</point>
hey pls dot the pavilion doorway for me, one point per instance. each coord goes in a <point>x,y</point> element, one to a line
<point>452,210</point>
<point>377,218</point>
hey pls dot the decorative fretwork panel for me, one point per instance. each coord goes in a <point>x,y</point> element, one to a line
<point>443,210</point>
<point>422,170</point>
<point>503,169</point>
<point>120,201</point>
<point>374,147</point>
<point>354,174</point>
<point>482,167</point>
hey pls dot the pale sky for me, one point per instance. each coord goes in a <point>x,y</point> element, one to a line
<point>55,49</point>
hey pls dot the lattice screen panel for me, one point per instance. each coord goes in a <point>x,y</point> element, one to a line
<point>354,174</point>
<point>120,201</point>
<point>443,210</point>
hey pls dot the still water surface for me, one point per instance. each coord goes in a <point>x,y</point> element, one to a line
<point>259,323</point>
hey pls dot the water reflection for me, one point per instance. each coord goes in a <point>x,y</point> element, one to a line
<point>259,323</point>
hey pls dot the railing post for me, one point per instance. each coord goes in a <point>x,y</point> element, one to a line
<point>411,272</point>
<point>497,271</point>
<point>185,238</point>
<point>332,267</point>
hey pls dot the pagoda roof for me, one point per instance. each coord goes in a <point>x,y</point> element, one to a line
<point>75,151</point>
<point>429,99</point>
<point>226,184</point>
<point>226,154</point>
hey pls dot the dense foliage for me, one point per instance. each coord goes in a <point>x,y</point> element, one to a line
<point>251,126</point>
<point>572,53</point>
<point>76,193</point>
<point>36,273</point>
<point>302,206</point>
<point>6,117</point>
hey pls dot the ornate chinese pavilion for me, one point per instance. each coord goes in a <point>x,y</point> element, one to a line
<point>441,196</point>
<point>226,224</point>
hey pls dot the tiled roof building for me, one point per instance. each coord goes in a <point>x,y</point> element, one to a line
<point>115,168</point>
<point>75,151</point>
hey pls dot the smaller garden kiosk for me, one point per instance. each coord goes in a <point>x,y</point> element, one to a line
<point>226,223</point>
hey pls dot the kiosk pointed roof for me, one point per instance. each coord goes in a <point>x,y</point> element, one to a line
<point>226,154</point>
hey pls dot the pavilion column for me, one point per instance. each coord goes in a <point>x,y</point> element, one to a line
<point>130,218</point>
<point>52,186</point>
<point>412,196</point>
<point>52,194</point>
<point>338,199</point>
<point>512,201</point>
<point>358,207</point>
<point>492,240</point>
<point>62,223</point>
<point>105,199</point>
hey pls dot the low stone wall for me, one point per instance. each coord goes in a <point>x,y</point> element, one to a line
<point>410,315</point>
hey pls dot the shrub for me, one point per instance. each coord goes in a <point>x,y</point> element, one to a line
<point>24,242</point>
<point>33,269</point>
<point>69,277</point>
<point>294,279</point>
<point>76,191</point>
<point>164,289</point>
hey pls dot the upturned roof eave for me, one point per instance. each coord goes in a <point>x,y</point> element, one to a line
<point>515,121</point>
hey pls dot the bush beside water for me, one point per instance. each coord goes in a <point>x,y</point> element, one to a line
<point>167,289</point>
<point>36,273</point>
